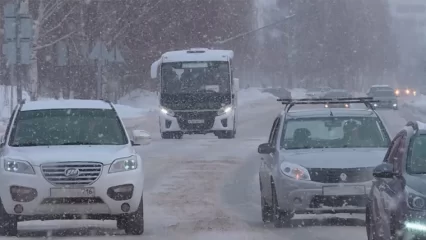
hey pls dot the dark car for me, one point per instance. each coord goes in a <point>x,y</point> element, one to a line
<point>337,93</point>
<point>396,206</point>
<point>385,98</point>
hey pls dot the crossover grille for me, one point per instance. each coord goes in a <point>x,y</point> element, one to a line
<point>72,173</point>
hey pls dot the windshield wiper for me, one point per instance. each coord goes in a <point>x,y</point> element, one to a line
<point>81,143</point>
<point>29,144</point>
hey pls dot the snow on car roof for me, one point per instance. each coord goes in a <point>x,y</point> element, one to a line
<point>65,104</point>
<point>384,85</point>
<point>197,55</point>
<point>343,112</point>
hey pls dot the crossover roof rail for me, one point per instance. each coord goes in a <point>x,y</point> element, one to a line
<point>292,102</point>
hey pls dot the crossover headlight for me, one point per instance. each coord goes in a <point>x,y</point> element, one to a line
<point>124,164</point>
<point>407,91</point>
<point>224,110</point>
<point>295,171</point>
<point>18,166</point>
<point>167,111</point>
<point>415,200</point>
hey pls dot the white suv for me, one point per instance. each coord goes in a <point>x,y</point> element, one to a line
<point>70,159</point>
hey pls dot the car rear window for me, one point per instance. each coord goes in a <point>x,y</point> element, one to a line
<point>334,132</point>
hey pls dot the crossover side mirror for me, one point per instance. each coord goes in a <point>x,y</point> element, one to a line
<point>265,148</point>
<point>384,170</point>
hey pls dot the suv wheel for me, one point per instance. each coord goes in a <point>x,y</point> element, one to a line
<point>279,218</point>
<point>265,208</point>
<point>134,223</point>
<point>8,223</point>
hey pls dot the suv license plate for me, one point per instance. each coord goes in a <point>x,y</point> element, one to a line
<point>196,121</point>
<point>343,190</point>
<point>72,192</point>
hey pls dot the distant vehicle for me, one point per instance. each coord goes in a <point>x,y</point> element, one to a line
<point>317,92</point>
<point>406,91</point>
<point>337,93</point>
<point>278,92</point>
<point>386,98</point>
<point>375,88</point>
<point>198,93</point>
<point>320,160</point>
<point>396,207</point>
<point>70,159</point>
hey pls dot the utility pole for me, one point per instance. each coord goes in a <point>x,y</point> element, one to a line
<point>18,50</point>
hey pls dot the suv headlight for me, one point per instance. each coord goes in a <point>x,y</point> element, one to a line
<point>295,171</point>
<point>224,110</point>
<point>167,111</point>
<point>415,200</point>
<point>124,164</point>
<point>18,166</point>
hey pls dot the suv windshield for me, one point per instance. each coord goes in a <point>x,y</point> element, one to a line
<point>67,127</point>
<point>416,160</point>
<point>334,132</point>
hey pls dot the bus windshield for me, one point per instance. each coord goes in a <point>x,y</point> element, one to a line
<point>195,77</point>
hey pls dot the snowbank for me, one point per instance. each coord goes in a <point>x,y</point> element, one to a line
<point>298,93</point>
<point>417,104</point>
<point>249,95</point>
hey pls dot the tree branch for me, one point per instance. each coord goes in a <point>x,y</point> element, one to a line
<point>55,41</point>
<point>61,22</point>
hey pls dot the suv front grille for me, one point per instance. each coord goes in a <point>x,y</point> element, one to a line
<point>333,175</point>
<point>71,173</point>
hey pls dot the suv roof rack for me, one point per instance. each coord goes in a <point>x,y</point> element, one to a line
<point>292,102</point>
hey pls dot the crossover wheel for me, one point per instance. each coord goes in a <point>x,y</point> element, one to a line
<point>279,218</point>
<point>134,222</point>
<point>8,223</point>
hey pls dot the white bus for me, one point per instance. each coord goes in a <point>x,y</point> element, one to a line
<point>198,94</point>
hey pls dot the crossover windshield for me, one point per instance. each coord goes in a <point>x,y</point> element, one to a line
<point>416,160</point>
<point>195,77</point>
<point>334,132</point>
<point>67,127</point>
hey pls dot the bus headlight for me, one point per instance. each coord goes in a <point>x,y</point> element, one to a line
<point>167,111</point>
<point>224,110</point>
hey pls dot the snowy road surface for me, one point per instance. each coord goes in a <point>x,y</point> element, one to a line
<point>204,188</point>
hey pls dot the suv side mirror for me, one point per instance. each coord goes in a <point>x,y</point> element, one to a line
<point>265,148</point>
<point>384,170</point>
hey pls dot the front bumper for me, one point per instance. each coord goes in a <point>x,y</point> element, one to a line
<point>211,122</point>
<point>311,197</point>
<point>44,204</point>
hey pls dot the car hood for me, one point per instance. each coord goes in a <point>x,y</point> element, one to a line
<point>47,154</point>
<point>335,158</point>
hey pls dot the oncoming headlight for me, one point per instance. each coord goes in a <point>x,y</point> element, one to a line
<point>224,110</point>
<point>397,92</point>
<point>326,105</point>
<point>295,171</point>
<point>18,166</point>
<point>124,164</point>
<point>166,111</point>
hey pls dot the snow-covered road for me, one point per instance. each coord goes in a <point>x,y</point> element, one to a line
<point>201,187</point>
